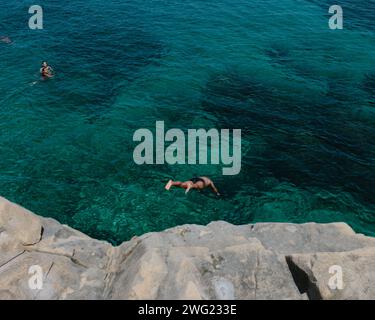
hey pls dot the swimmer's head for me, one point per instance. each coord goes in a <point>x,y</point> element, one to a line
<point>44,64</point>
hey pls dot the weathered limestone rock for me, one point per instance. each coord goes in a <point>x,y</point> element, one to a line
<point>357,268</point>
<point>20,223</point>
<point>217,261</point>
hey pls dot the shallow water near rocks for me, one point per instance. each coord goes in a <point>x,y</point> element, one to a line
<point>302,94</point>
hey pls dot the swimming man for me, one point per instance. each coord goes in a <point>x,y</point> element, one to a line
<point>193,183</point>
<point>46,70</point>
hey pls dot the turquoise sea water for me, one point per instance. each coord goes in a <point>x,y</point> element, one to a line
<point>303,95</point>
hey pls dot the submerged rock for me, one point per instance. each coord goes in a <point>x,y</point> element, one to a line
<point>217,261</point>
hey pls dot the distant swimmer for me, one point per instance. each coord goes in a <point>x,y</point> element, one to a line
<point>193,183</point>
<point>5,39</point>
<point>46,71</point>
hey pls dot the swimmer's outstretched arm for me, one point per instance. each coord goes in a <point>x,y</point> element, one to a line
<point>214,188</point>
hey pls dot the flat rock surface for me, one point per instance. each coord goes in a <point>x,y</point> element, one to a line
<point>217,261</point>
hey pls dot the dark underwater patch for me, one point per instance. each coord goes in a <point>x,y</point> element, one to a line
<point>369,84</point>
<point>278,54</point>
<point>98,67</point>
<point>309,146</point>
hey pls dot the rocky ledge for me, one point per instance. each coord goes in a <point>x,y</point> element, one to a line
<point>217,261</point>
